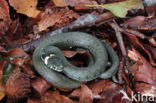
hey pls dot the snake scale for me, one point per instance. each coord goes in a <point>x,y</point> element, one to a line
<point>62,74</point>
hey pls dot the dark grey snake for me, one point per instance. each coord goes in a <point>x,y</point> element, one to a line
<point>50,63</point>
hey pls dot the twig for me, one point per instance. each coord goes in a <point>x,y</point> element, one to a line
<point>118,31</point>
<point>120,70</point>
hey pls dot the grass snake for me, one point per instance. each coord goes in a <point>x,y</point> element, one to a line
<point>50,63</point>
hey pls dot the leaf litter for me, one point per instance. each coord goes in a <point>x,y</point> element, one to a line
<point>132,35</point>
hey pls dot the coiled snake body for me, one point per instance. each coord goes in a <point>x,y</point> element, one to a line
<point>49,61</point>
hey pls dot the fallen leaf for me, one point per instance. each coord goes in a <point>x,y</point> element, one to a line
<point>139,46</point>
<point>27,7</point>
<point>104,90</point>
<point>60,3</point>
<point>70,54</point>
<point>56,97</point>
<point>133,23</point>
<point>85,95</point>
<point>4,17</point>
<point>152,41</point>
<point>17,52</point>
<point>18,86</point>
<point>145,72</point>
<point>3,50</point>
<point>72,3</point>
<point>2,88</point>
<point>149,24</point>
<point>144,76</point>
<point>14,32</point>
<point>146,89</point>
<point>17,61</point>
<point>50,18</point>
<point>28,70</point>
<point>120,9</point>
<point>34,100</point>
<point>40,85</point>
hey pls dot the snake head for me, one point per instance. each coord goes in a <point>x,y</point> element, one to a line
<point>53,62</point>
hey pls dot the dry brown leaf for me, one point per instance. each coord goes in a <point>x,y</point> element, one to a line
<point>18,61</point>
<point>2,88</point>
<point>149,24</point>
<point>140,47</point>
<point>56,97</point>
<point>60,3</point>
<point>50,18</point>
<point>63,3</point>
<point>34,100</point>
<point>70,54</point>
<point>133,23</point>
<point>27,7</point>
<point>85,95</point>
<point>17,52</point>
<point>28,70</point>
<point>145,71</point>
<point>104,90</point>
<point>146,89</point>
<point>40,85</point>
<point>4,17</point>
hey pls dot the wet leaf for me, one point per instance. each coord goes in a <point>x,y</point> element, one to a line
<point>56,97</point>
<point>86,94</point>
<point>50,18</point>
<point>4,17</point>
<point>34,100</point>
<point>70,54</point>
<point>2,88</point>
<point>63,3</point>
<point>28,70</point>
<point>18,61</point>
<point>148,24</point>
<point>17,52</point>
<point>120,9</point>
<point>145,72</point>
<point>104,90</point>
<point>27,7</point>
<point>133,23</point>
<point>60,3</point>
<point>144,75</point>
<point>40,85</point>
<point>139,46</point>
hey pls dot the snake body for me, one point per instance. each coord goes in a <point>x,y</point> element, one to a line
<point>71,76</point>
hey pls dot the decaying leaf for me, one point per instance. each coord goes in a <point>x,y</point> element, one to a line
<point>18,86</point>
<point>133,23</point>
<point>86,94</point>
<point>103,90</point>
<point>50,18</point>
<point>144,75</point>
<point>56,97</point>
<point>40,85</point>
<point>120,9</point>
<point>2,88</point>
<point>4,17</point>
<point>34,100</point>
<point>148,24</point>
<point>70,54</point>
<point>26,7</point>
<point>17,52</point>
<point>139,46</point>
<point>60,3</point>
<point>63,3</point>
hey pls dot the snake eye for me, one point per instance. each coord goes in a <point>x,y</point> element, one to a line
<point>43,56</point>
